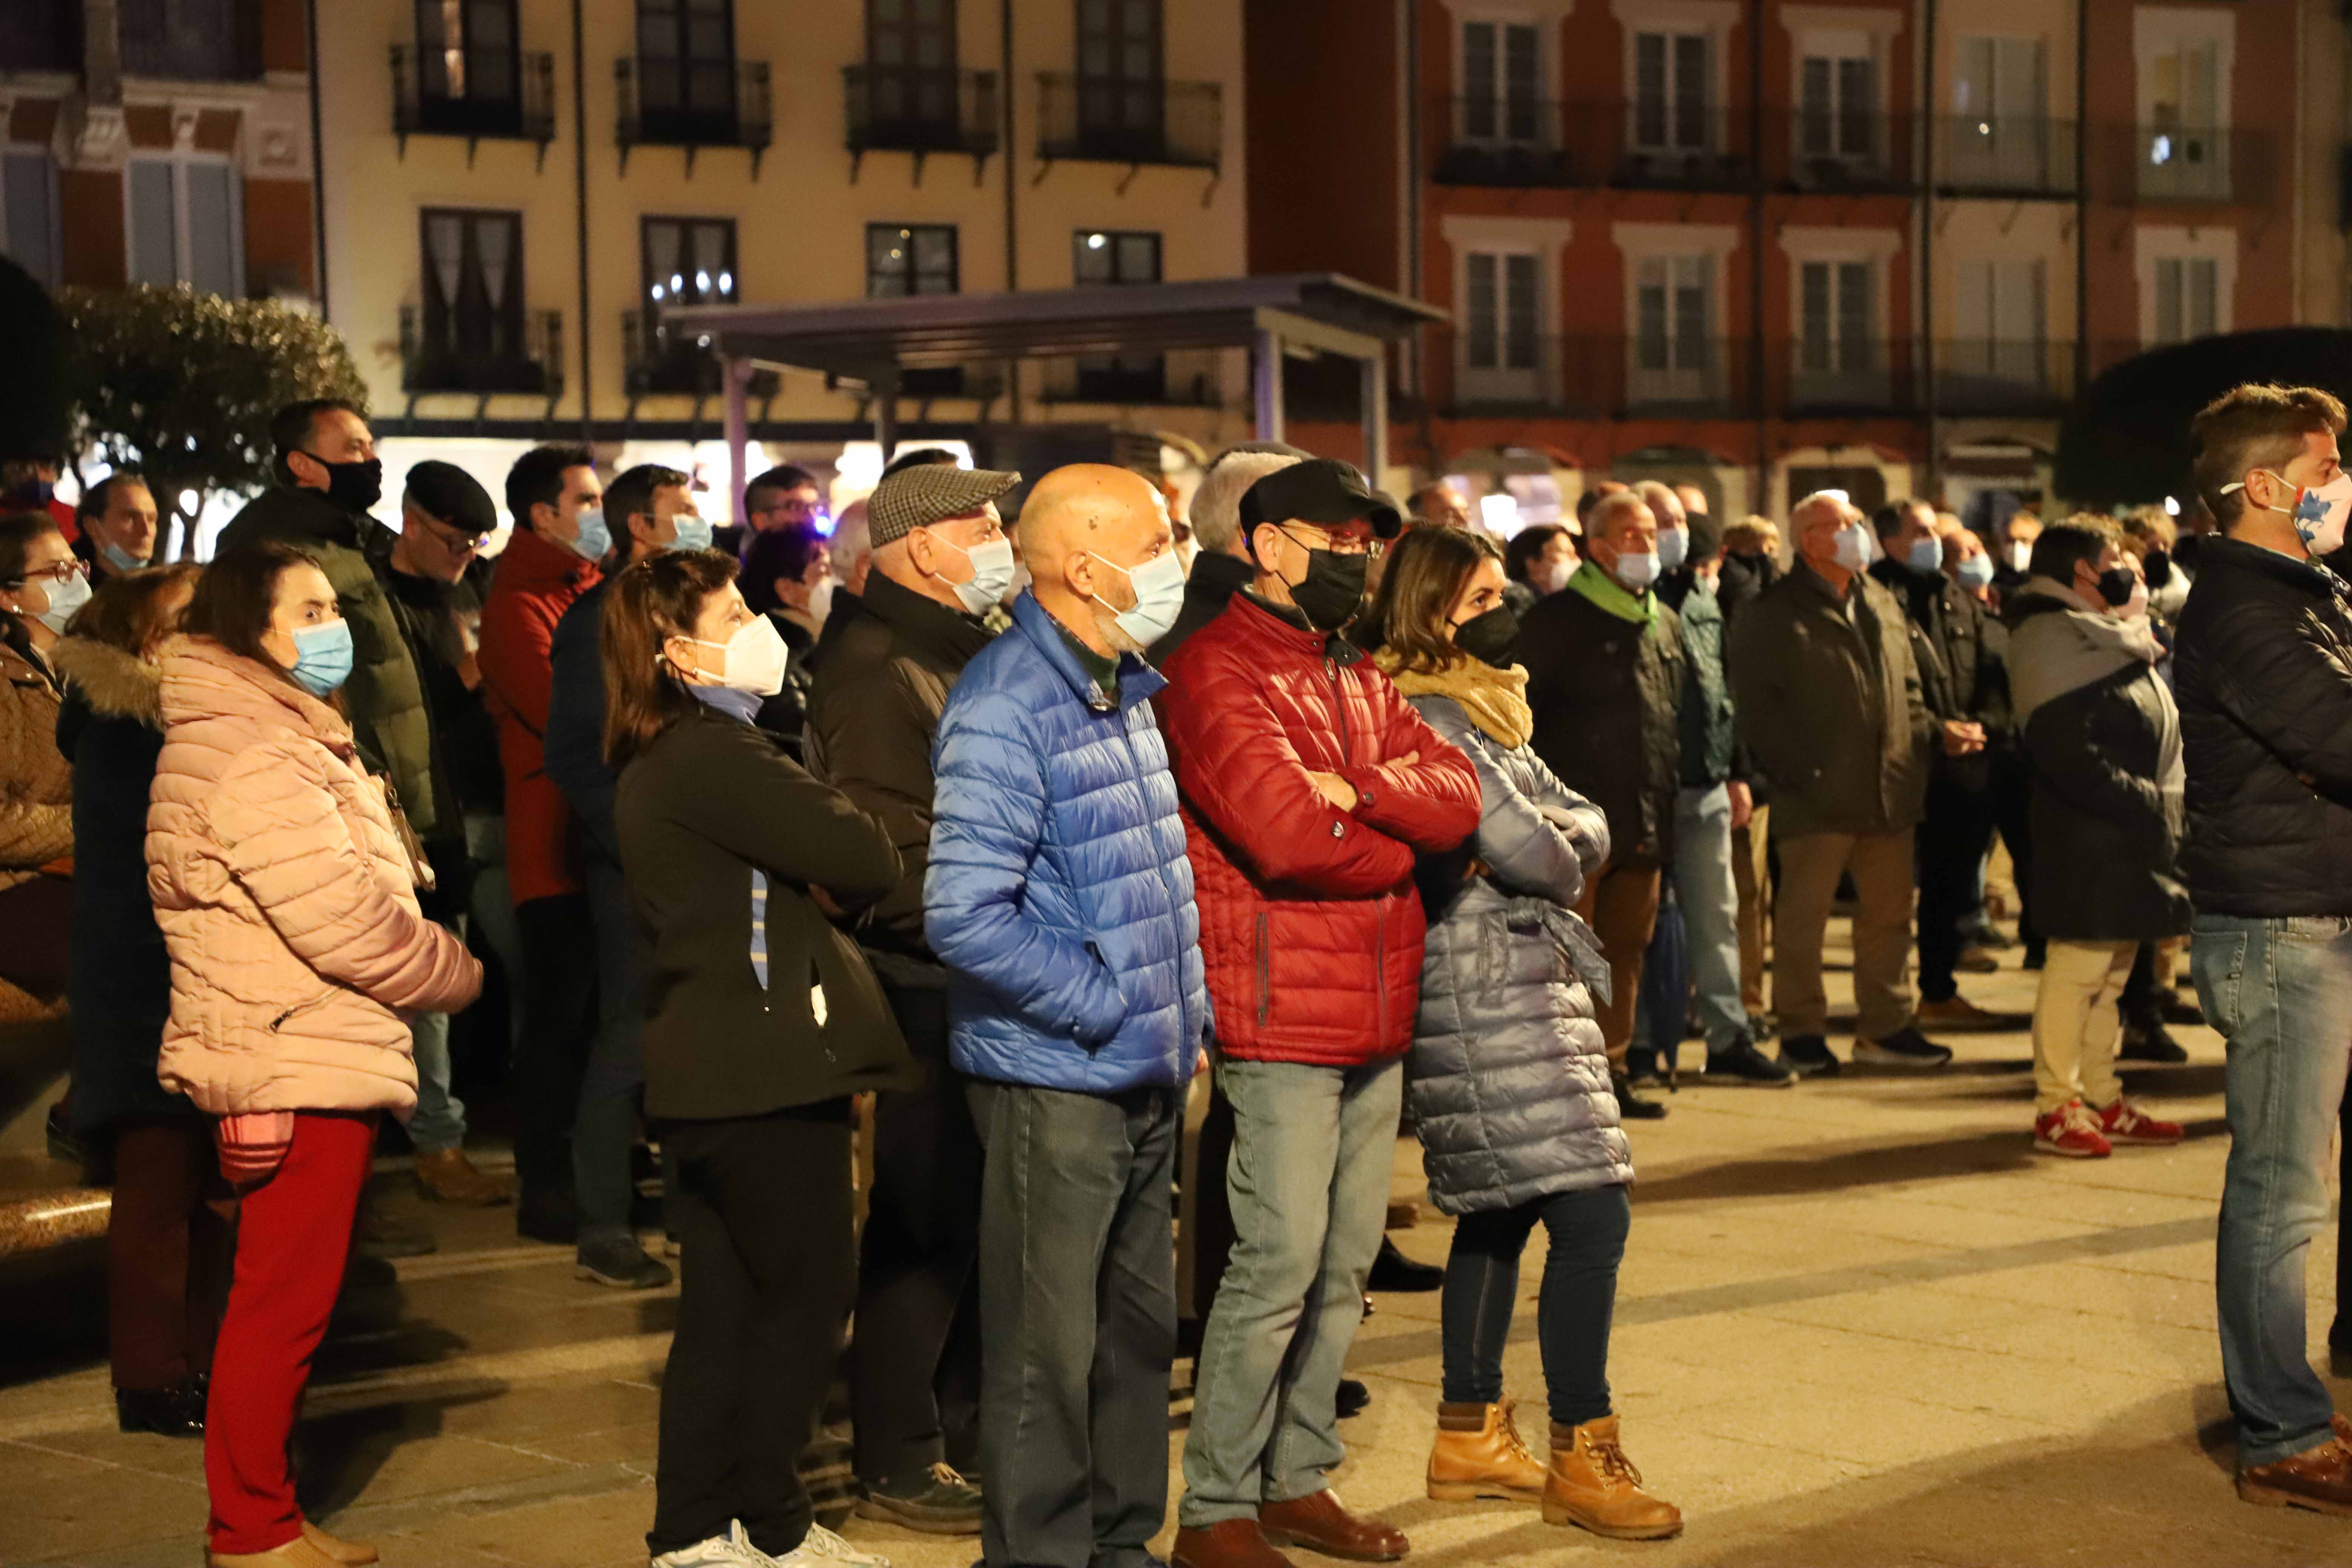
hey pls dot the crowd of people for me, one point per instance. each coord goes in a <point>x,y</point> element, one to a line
<point>1101,856</point>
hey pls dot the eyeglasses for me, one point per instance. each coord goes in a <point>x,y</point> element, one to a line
<point>60,572</point>
<point>454,538</point>
<point>1338,543</point>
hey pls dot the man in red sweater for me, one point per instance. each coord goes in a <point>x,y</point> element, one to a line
<point>560,536</point>
<point>1308,786</point>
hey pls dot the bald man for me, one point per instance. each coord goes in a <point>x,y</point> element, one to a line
<point>1060,899</point>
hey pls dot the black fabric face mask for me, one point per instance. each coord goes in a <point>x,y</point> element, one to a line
<point>355,486</point>
<point>1491,637</point>
<point>1333,589</point>
<point>2159,565</point>
<point>2115,585</point>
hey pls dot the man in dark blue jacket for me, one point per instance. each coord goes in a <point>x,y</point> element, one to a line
<point>1060,899</point>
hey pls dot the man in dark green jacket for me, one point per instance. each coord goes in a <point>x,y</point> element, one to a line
<point>328,477</point>
<point>884,667</point>
<point>1828,706</point>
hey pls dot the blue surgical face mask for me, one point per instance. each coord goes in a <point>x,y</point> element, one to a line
<point>1674,547</point>
<point>323,656</point>
<point>118,558</point>
<point>596,541</point>
<point>1853,547</point>
<point>1637,572</point>
<point>1927,555</point>
<point>693,533</point>
<point>1976,572</point>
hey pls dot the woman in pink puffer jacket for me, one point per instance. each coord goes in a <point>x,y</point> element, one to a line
<point>287,898</point>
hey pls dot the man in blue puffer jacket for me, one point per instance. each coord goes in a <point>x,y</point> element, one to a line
<point>1060,899</point>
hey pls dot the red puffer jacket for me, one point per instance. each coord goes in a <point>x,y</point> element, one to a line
<point>1309,922</point>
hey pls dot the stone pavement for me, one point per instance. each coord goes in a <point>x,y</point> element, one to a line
<point>1859,1324</point>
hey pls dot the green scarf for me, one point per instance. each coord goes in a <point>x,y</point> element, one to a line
<point>1606,593</point>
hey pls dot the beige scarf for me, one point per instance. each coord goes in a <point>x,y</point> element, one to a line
<point>1496,700</point>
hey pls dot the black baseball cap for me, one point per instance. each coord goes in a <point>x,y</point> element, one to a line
<point>452,497</point>
<point>1321,490</point>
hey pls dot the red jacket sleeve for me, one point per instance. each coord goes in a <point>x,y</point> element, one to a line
<point>1242,777</point>
<point>517,656</point>
<point>1430,804</point>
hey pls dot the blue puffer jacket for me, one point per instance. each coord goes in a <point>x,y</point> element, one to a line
<point>1058,895</point>
<point>1508,1077</point>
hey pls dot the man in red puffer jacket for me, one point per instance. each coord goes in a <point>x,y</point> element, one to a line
<point>1308,785</point>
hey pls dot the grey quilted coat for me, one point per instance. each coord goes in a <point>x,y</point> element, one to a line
<point>1509,1079</point>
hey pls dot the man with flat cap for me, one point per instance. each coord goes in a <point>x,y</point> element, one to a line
<point>425,572</point>
<point>1308,786</point>
<point>882,669</point>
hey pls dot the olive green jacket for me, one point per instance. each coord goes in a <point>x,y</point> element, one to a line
<point>385,697</point>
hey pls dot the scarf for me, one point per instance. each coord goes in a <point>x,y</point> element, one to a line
<point>1606,593</point>
<point>2051,655</point>
<point>1496,700</point>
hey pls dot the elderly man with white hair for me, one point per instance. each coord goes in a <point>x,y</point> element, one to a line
<point>1828,706</point>
<point>1220,566</point>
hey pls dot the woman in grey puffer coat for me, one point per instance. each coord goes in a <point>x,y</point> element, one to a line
<point>1509,1079</point>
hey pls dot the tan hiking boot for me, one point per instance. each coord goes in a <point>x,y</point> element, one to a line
<point>1479,1454</point>
<point>2318,1479</point>
<point>1593,1486</point>
<point>355,1552</point>
<point>447,1176</point>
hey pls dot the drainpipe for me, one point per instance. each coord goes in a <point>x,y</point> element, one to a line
<point>317,167</point>
<point>1409,28</point>
<point>2082,196</point>
<point>1010,157</point>
<point>1934,487</point>
<point>579,217</point>
<point>1756,252</point>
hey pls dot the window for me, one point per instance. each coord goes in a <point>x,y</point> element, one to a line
<point>690,260</point>
<point>911,259</point>
<point>473,285</point>
<point>185,224</point>
<point>1671,96</point>
<point>2000,137</point>
<point>1120,71</point>
<point>29,213</point>
<point>2181,147</point>
<point>2187,298</point>
<point>1840,100</point>
<point>1674,353</point>
<point>465,49</point>
<point>189,41</point>
<point>1501,315</point>
<point>1104,255</point>
<point>910,56</point>
<point>1499,82</point>
<point>686,58</point>
<point>1834,309</point>
<point>1997,310</point>
<point>1111,257</point>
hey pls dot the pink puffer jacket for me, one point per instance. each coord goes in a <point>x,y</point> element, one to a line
<point>286,902</point>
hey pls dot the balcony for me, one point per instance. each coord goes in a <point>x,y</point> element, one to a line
<point>907,109</point>
<point>1590,375</point>
<point>1840,151</point>
<point>1513,142</point>
<point>655,362</point>
<point>486,97</point>
<point>1190,378</point>
<point>2151,164</point>
<point>520,352</point>
<point>693,104</point>
<point>2014,155</point>
<point>1981,376</point>
<point>1108,120</point>
<point>189,41</point>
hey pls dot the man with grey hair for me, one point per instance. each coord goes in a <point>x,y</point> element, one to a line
<point>853,548</point>
<point>1829,705</point>
<point>1222,568</point>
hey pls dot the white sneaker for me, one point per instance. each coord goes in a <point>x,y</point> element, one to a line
<point>732,1549</point>
<point>824,1548</point>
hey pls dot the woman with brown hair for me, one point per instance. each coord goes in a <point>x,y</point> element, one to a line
<point>763,1021</point>
<point>285,887</point>
<point>41,587</point>
<point>167,1251</point>
<point>1507,1079</point>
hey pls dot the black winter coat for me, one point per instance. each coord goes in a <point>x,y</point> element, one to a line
<point>2263,668</point>
<point>1958,648</point>
<point>118,978</point>
<point>1607,695</point>
<point>1210,585</point>
<point>2107,829</point>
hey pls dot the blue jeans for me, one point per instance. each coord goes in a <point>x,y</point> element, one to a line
<point>440,1119</point>
<point>1309,1182</point>
<point>2280,991</point>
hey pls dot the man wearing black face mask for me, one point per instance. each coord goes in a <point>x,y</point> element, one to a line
<point>328,477</point>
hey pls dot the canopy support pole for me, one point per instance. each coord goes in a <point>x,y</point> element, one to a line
<point>735,376</point>
<point>1267,384</point>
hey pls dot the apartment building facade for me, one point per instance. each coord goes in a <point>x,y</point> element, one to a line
<point>518,189</point>
<point>1767,246</point>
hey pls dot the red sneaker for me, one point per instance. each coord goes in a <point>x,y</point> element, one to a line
<point>2124,1122</point>
<point>2073,1130</point>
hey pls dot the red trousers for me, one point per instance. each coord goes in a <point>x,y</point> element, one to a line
<point>293,1233</point>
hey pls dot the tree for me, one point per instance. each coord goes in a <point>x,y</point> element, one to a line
<point>181,385</point>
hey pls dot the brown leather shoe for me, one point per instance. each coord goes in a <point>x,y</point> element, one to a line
<point>298,1552</point>
<point>446,1176</point>
<point>1322,1523</point>
<point>355,1552</point>
<point>2318,1479</point>
<point>1593,1486</point>
<point>1957,1012</point>
<point>1228,1543</point>
<point>1479,1454</point>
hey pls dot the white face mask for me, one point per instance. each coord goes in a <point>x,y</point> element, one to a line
<point>66,599</point>
<point>2136,606</point>
<point>1553,576</point>
<point>2319,515</point>
<point>1159,586</point>
<point>820,601</point>
<point>755,658</point>
<point>1853,544</point>
<point>992,572</point>
<point>2020,555</point>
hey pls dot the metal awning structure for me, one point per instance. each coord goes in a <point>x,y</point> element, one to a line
<point>871,342</point>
